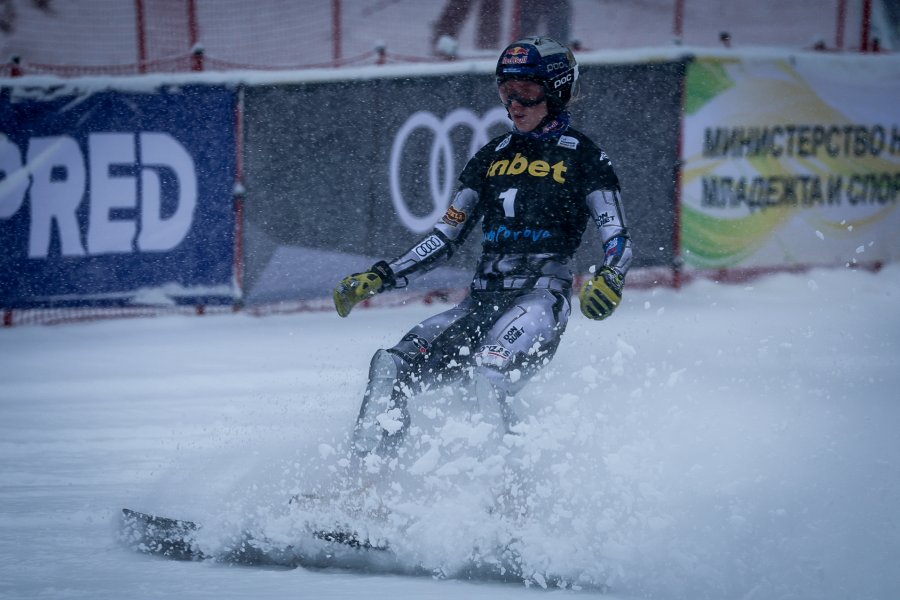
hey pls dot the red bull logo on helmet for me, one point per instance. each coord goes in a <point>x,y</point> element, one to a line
<point>517,55</point>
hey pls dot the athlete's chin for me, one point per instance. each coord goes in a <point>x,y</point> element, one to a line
<point>523,125</point>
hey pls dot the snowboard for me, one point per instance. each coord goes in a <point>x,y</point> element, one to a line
<point>177,539</point>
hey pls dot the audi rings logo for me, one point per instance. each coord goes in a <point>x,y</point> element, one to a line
<point>430,244</point>
<point>442,171</point>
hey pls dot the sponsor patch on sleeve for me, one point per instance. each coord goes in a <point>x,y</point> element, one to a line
<point>428,246</point>
<point>454,217</point>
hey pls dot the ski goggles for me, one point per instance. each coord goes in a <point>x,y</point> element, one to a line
<point>526,93</point>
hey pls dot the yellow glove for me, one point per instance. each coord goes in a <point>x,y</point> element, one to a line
<point>602,294</point>
<point>354,289</point>
<point>357,287</point>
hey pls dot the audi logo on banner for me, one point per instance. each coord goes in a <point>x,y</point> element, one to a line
<point>442,170</point>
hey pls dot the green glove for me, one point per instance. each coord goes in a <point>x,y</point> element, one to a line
<point>602,294</point>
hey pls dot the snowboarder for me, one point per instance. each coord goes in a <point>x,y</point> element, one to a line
<point>533,190</point>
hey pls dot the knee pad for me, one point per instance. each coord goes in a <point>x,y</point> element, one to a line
<point>383,366</point>
<point>383,410</point>
<point>492,391</point>
<point>493,356</point>
<point>505,370</point>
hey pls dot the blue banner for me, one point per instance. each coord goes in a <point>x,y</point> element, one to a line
<point>117,197</point>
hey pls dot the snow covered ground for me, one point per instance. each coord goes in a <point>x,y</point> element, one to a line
<point>721,442</point>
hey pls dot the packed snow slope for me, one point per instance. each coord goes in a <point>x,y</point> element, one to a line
<point>721,442</point>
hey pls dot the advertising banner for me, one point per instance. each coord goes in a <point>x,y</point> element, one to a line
<point>340,174</point>
<point>791,162</point>
<point>116,197</point>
